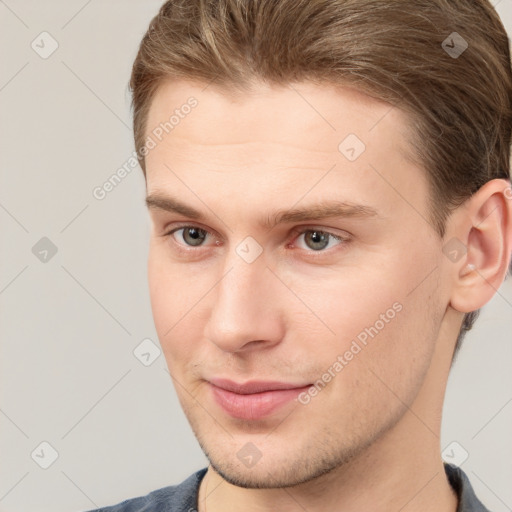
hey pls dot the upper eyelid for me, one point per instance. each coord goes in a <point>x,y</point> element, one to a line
<point>170,230</point>
<point>304,229</point>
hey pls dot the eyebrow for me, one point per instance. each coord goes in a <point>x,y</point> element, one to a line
<point>318,211</point>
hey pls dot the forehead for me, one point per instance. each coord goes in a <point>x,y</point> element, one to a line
<point>277,142</point>
<point>304,112</point>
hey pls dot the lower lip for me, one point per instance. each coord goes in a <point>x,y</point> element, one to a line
<point>255,405</point>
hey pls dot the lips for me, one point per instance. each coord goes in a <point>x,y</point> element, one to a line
<point>255,399</point>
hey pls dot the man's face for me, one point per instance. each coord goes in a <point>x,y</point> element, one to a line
<point>351,303</point>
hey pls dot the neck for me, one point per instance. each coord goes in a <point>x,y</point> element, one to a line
<point>409,478</point>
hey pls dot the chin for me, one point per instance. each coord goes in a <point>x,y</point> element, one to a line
<point>266,479</point>
<point>291,466</point>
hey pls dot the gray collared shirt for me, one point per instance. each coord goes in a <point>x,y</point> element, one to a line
<point>183,497</point>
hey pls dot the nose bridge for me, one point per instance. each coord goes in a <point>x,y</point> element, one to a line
<point>242,310</point>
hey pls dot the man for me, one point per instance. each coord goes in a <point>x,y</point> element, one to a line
<point>329,189</point>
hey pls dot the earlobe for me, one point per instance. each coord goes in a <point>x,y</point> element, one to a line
<point>484,227</point>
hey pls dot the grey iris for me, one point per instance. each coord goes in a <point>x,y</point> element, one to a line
<point>317,237</point>
<point>196,236</point>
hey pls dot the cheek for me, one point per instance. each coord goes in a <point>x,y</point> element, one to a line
<point>385,318</point>
<point>376,368</point>
<point>350,300</point>
<point>174,295</point>
<point>397,337</point>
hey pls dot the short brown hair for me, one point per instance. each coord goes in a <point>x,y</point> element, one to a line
<point>459,104</point>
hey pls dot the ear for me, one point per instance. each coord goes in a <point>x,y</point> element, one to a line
<point>480,231</point>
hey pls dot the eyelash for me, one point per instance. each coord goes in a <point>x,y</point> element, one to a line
<point>295,233</point>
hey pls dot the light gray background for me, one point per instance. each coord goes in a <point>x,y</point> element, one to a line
<point>69,325</point>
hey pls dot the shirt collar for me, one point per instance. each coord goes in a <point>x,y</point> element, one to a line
<point>468,502</point>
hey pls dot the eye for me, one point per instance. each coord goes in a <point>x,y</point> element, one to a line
<point>318,240</point>
<point>188,237</point>
<point>191,235</point>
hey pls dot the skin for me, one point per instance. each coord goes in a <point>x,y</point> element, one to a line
<point>371,435</point>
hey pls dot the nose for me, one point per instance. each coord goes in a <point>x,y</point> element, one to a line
<point>246,311</point>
